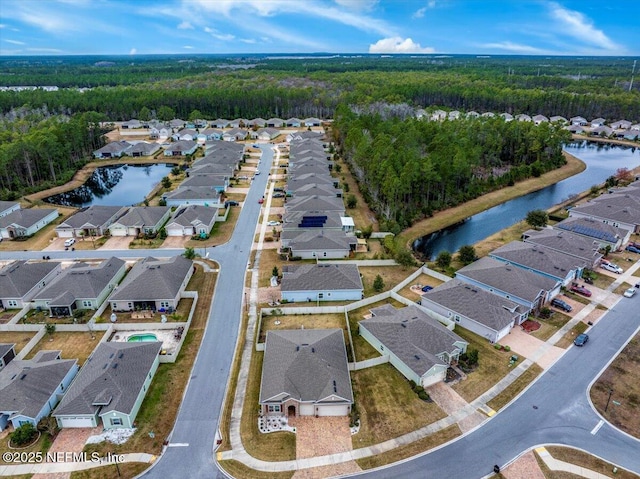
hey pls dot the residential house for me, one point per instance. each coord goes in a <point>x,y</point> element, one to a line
<point>544,261</point>
<point>159,131</point>
<point>620,210</point>
<point>7,353</point>
<point>81,286</point>
<point>293,122</point>
<point>130,124</point>
<point>30,389</point>
<point>305,373</point>
<point>238,123</point>
<point>140,220</point>
<point>205,168</point>
<point>439,115</point>
<point>596,122</point>
<point>321,282</point>
<point>218,182</point>
<point>313,189</point>
<point>155,284</point>
<point>304,135</point>
<point>235,134</point>
<point>181,148</point>
<point>576,129</point>
<point>312,122</point>
<point>321,244</point>
<point>537,119</point>
<point>308,168</point>
<point>186,134</point>
<point>296,181</point>
<point>418,346</point>
<point>212,134</point>
<point>192,220</point>
<point>525,287</point>
<point>523,117</point>
<point>266,134</point>
<point>257,123</point>
<point>453,115</point>
<point>506,116</point>
<point>20,281</point>
<point>488,114</point>
<point>565,242</point>
<point>115,149</point>
<point>143,148</point>
<point>420,113</point>
<point>26,222</point>
<point>602,131</point>
<point>315,203</point>
<point>558,119</point>
<point>603,233</point>
<point>89,221</point>
<point>621,125</point>
<point>311,220</point>
<point>7,207</point>
<point>220,123</point>
<point>485,314</point>
<point>194,195</point>
<point>177,124</point>
<point>275,122</point>
<point>472,114</point>
<point>578,121</point>
<point>111,386</point>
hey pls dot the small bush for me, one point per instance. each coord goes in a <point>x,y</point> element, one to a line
<point>25,434</point>
<point>412,385</point>
<point>507,348</point>
<point>423,395</point>
<point>497,346</point>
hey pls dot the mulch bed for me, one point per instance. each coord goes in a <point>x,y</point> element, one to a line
<point>530,325</point>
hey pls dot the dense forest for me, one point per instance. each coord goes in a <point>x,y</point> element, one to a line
<point>39,150</point>
<point>407,169</point>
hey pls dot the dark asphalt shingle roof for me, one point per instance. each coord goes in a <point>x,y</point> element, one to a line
<point>619,207</point>
<point>322,240</point>
<point>26,218</point>
<point>140,216</point>
<point>193,215</point>
<point>314,203</point>
<point>305,364</point>
<point>414,337</point>
<point>565,242</point>
<point>112,377</point>
<point>5,205</point>
<point>91,216</point>
<point>597,230</point>
<point>326,276</point>
<point>19,277</point>
<point>193,193</point>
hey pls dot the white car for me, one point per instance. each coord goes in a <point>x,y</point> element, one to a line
<point>630,292</point>
<point>273,223</point>
<point>614,268</point>
<point>69,242</point>
<point>257,172</point>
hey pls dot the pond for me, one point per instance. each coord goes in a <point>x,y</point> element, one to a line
<point>117,185</point>
<point>602,161</point>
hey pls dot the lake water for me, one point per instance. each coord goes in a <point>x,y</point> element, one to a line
<point>602,161</point>
<point>118,185</point>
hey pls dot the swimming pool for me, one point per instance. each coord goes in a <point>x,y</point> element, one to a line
<point>140,338</point>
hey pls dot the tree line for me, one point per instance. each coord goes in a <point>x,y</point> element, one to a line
<point>408,169</point>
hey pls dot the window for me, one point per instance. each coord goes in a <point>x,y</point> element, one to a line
<point>12,303</point>
<point>86,304</point>
<point>456,318</point>
<point>274,408</point>
<point>320,295</point>
<point>164,304</point>
<point>324,254</point>
<point>381,347</point>
<point>116,421</point>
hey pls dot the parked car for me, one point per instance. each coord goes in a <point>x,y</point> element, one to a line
<point>278,195</point>
<point>634,244</point>
<point>257,172</point>
<point>581,340</point>
<point>69,242</point>
<point>614,268</point>
<point>630,292</point>
<point>427,288</point>
<point>633,249</point>
<point>261,200</point>
<point>273,223</point>
<point>230,203</point>
<point>576,288</point>
<point>558,303</point>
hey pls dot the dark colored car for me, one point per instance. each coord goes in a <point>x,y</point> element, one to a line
<point>558,303</point>
<point>230,203</point>
<point>576,288</point>
<point>278,195</point>
<point>633,249</point>
<point>581,340</point>
<point>427,288</point>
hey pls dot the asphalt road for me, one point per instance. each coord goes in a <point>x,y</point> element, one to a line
<point>554,410</point>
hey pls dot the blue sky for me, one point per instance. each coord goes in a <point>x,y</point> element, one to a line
<point>130,27</point>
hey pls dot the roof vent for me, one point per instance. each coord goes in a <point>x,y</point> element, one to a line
<point>416,356</point>
<point>115,365</point>
<point>403,325</point>
<point>22,377</point>
<point>120,355</point>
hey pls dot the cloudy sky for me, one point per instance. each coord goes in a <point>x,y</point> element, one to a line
<point>129,27</point>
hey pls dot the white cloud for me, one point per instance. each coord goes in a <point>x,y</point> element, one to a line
<point>580,27</point>
<point>185,26</point>
<point>225,37</point>
<point>398,45</point>
<point>419,13</point>
<point>512,47</point>
<point>133,51</point>
<point>188,47</point>
<point>44,50</point>
<point>250,41</point>
<point>357,4</point>
<point>2,25</point>
<point>14,42</point>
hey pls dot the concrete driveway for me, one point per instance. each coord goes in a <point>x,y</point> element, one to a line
<point>525,345</point>
<point>57,244</point>
<point>576,306</point>
<point>118,242</point>
<point>175,241</point>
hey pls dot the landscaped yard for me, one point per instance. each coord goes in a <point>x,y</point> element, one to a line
<point>568,338</point>
<point>622,379</point>
<point>422,280</point>
<point>388,407</point>
<point>298,321</point>
<point>41,445</point>
<point>42,238</point>
<point>221,231</point>
<point>549,327</point>
<point>181,314</point>
<point>391,275</point>
<point>581,459</point>
<point>73,345</point>
<point>515,387</point>
<point>493,365</point>
<point>19,338</point>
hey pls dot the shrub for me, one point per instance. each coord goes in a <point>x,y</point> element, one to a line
<point>23,435</point>
<point>412,385</point>
<point>378,284</point>
<point>545,313</point>
<point>507,348</point>
<point>423,395</point>
<point>497,346</point>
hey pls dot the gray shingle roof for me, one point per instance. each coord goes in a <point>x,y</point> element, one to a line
<point>80,281</point>
<point>144,148</point>
<point>112,376</point>
<point>182,145</point>
<point>317,178</point>
<point>18,278</point>
<point>592,228</point>
<point>91,216</point>
<point>208,180</point>
<point>311,277</point>
<point>193,214</point>
<point>565,242</point>
<point>212,168</point>
<point>618,207</point>
<point>474,303</point>
<point>193,193</point>
<point>25,218</point>
<point>314,203</point>
<point>315,190</point>
<point>153,279</point>
<point>322,240</point>
<point>5,348</point>
<point>5,205</point>
<point>114,147</point>
<point>512,280</point>
<point>306,168</point>
<point>293,220</point>
<point>305,364</point>
<point>140,216</point>
<point>27,385</point>
<point>538,258</point>
<point>415,338</point>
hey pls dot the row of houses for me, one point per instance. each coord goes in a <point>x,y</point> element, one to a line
<point>112,384</point>
<point>221,123</point>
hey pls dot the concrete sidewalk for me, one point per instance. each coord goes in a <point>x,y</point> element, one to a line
<point>57,467</point>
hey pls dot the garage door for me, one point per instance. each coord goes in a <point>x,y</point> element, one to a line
<point>77,422</point>
<point>174,232</point>
<point>337,410</point>
<point>118,232</point>
<point>65,233</point>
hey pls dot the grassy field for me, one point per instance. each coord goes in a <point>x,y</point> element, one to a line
<point>220,233</point>
<point>429,442</point>
<point>73,345</point>
<point>391,275</point>
<point>388,407</point>
<point>568,338</point>
<point>298,321</point>
<point>622,378</point>
<point>582,459</point>
<point>19,338</point>
<point>493,365</point>
<point>454,215</point>
<point>515,387</point>
<point>549,327</point>
<point>160,407</point>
